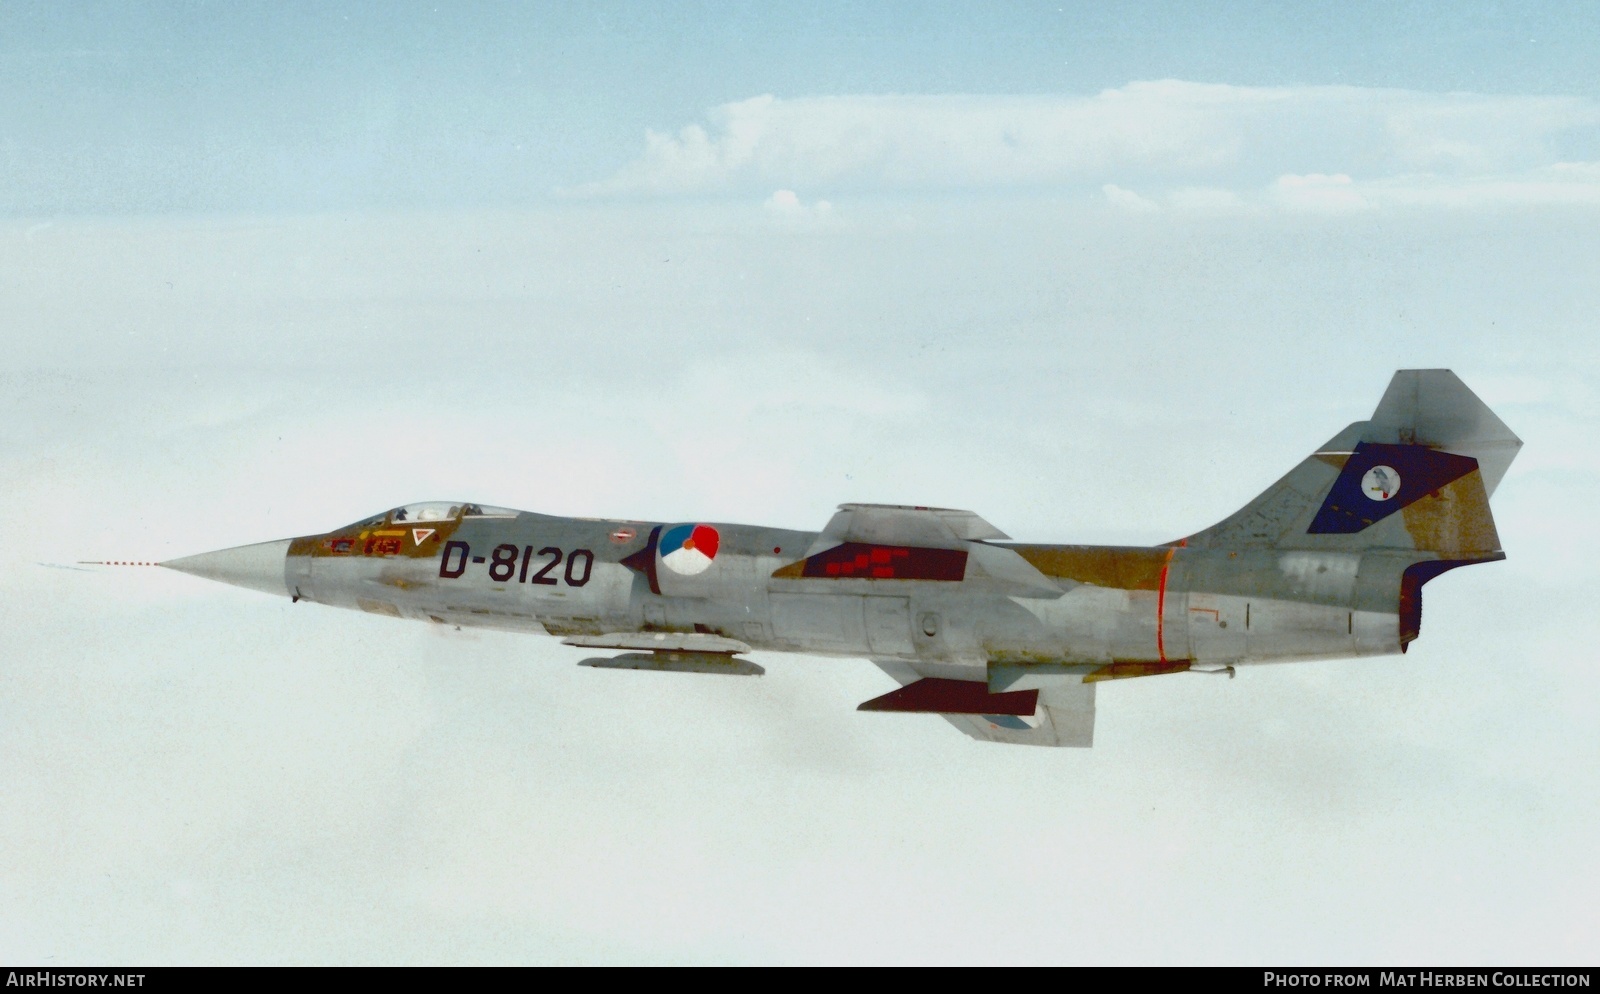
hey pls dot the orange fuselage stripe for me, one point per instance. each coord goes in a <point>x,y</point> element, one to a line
<point>1161,605</point>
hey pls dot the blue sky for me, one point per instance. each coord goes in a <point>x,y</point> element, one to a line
<point>135,108</point>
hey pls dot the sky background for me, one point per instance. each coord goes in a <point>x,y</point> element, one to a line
<point>1100,275</point>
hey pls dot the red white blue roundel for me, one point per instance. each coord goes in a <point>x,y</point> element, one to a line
<point>689,549</point>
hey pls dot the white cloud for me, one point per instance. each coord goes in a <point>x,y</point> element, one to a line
<point>1567,183</point>
<point>1570,184</point>
<point>1319,192</point>
<point>1116,196</point>
<point>1207,200</point>
<point>787,203</point>
<point>1160,135</point>
<point>277,782</point>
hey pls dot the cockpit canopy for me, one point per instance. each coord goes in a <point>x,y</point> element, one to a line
<point>436,510</point>
<point>439,510</point>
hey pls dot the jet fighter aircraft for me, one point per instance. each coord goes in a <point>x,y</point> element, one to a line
<point>1005,640</point>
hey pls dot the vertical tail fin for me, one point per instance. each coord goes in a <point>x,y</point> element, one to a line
<point>1433,408</point>
<point>1417,477</point>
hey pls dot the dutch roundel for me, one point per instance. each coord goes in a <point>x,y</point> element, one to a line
<point>689,549</point>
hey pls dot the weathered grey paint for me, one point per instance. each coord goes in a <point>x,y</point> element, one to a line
<point>929,592</point>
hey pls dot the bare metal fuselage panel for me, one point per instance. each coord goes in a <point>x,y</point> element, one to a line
<point>1006,640</point>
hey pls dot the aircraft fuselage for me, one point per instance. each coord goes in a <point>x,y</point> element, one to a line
<point>1005,640</point>
<point>1103,604</point>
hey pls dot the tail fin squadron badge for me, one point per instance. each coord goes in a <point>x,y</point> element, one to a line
<point>1381,483</point>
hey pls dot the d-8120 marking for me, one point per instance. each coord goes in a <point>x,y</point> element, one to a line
<point>503,563</point>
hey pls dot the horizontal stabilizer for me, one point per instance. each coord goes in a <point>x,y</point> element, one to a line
<point>677,662</point>
<point>1432,407</point>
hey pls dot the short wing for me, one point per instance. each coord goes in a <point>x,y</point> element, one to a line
<point>920,543</point>
<point>1064,718</point>
<point>896,524</point>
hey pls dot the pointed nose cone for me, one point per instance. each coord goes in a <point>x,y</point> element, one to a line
<point>260,567</point>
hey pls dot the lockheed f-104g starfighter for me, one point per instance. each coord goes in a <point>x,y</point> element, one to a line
<point>1005,640</point>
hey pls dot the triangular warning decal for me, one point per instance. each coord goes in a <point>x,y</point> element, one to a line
<point>420,535</point>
